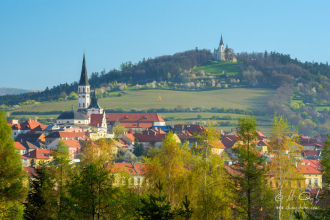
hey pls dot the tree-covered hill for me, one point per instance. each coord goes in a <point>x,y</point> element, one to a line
<point>302,88</point>
<point>147,70</point>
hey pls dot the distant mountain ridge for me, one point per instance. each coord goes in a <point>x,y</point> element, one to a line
<point>14,91</point>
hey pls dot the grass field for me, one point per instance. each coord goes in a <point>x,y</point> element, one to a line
<point>145,99</point>
<point>218,68</point>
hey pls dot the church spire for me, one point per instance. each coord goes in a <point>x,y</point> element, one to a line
<point>221,41</point>
<point>94,103</point>
<point>83,77</point>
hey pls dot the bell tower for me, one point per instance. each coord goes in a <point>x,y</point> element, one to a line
<point>221,50</point>
<point>83,88</point>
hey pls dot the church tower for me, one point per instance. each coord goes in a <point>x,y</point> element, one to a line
<point>221,50</point>
<point>83,88</point>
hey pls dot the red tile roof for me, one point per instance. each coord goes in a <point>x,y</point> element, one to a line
<point>136,125</point>
<point>262,143</point>
<point>27,125</point>
<point>130,168</point>
<point>130,136</point>
<point>216,144</point>
<point>39,154</point>
<point>70,135</point>
<point>30,137</point>
<point>96,119</point>
<point>133,117</point>
<point>72,143</point>
<point>314,163</point>
<point>307,141</point>
<point>260,135</point>
<point>192,129</point>
<point>228,142</point>
<point>307,169</point>
<point>30,171</point>
<point>19,146</point>
<point>150,137</point>
<point>314,153</point>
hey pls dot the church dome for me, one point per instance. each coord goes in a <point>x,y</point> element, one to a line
<point>72,115</point>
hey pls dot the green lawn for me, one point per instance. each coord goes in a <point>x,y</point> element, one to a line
<point>144,99</point>
<point>218,68</point>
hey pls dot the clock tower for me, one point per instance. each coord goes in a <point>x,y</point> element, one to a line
<point>83,89</point>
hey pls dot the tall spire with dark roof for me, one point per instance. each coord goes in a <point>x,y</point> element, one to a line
<point>94,103</point>
<point>221,41</point>
<point>83,77</point>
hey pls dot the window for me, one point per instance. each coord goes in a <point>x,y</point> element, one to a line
<point>310,181</point>
<point>130,170</point>
<point>316,182</point>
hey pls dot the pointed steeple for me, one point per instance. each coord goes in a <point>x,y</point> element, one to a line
<point>221,41</point>
<point>83,77</point>
<point>94,103</point>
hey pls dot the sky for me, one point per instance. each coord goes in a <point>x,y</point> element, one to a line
<point>42,42</point>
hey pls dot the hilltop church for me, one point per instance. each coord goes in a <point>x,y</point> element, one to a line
<point>224,54</point>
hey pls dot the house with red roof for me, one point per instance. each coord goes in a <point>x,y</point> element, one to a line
<point>39,156</point>
<point>314,163</point>
<point>25,127</point>
<point>308,143</point>
<point>153,137</point>
<point>74,146</point>
<point>217,147</point>
<point>30,171</point>
<point>128,173</point>
<point>192,129</point>
<point>63,135</point>
<point>20,147</point>
<point>313,177</point>
<point>134,121</point>
<point>37,137</point>
<point>311,154</point>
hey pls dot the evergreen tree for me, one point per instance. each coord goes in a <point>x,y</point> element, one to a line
<point>138,149</point>
<point>12,190</point>
<point>61,173</point>
<point>251,194</point>
<point>156,207</point>
<point>42,199</point>
<point>92,192</point>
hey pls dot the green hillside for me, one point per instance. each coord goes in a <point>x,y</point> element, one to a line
<point>144,99</point>
<point>221,67</point>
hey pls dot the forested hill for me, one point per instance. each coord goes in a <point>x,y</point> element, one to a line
<point>302,94</point>
<point>158,69</point>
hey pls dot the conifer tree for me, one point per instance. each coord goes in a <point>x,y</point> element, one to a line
<point>138,149</point>
<point>12,189</point>
<point>92,192</point>
<point>61,173</point>
<point>42,199</point>
<point>250,192</point>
